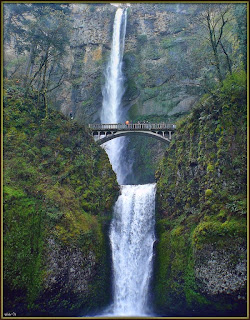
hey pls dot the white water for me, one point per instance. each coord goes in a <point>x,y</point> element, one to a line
<point>114,80</point>
<point>113,92</point>
<point>132,238</point>
<point>132,229</point>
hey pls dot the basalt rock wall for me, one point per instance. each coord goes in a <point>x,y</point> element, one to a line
<point>155,44</point>
<point>90,48</point>
<point>201,266</point>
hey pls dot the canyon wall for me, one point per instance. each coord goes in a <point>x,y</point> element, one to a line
<point>59,190</point>
<point>201,265</point>
<point>159,80</point>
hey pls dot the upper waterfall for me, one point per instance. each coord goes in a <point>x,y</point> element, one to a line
<point>114,80</point>
<point>113,91</point>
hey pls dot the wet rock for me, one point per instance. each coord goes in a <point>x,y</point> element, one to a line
<point>222,271</point>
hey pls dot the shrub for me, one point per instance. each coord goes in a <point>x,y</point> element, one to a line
<point>210,168</point>
<point>208,192</point>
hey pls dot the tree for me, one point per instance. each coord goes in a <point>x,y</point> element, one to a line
<point>240,12</point>
<point>40,32</point>
<point>49,39</point>
<point>216,20</point>
<point>216,23</point>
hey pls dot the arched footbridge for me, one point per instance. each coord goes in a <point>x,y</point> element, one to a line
<point>105,132</point>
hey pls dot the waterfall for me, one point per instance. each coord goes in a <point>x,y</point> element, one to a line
<point>132,238</point>
<point>114,80</point>
<point>113,91</point>
<point>132,228</point>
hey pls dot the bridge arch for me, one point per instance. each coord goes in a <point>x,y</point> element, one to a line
<point>109,136</point>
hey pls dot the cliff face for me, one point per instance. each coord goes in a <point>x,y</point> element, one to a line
<point>89,50</point>
<point>201,209</point>
<point>59,189</point>
<point>156,43</point>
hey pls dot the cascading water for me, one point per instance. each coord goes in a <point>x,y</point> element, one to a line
<point>114,88</point>
<point>132,229</point>
<point>132,238</point>
<point>113,92</point>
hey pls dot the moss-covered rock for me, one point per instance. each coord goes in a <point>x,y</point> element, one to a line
<point>200,266</point>
<point>59,189</point>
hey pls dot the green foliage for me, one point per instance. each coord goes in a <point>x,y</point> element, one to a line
<point>142,39</point>
<point>210,168</point>
<point>234,86</point>
<point>23,242</point>
<point>240,12</point>
<point>219,232</point>
<point>57,183</point>
<point>201,197</point>
<point>208,192</point>
<point>42,34</point>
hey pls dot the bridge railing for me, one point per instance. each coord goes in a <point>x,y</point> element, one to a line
<point>132,126</point>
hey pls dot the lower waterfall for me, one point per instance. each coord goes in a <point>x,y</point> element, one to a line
<point>132,239</point>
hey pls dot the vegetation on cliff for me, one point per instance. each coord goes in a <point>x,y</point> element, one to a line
<point>58,192</point>
<point>202,207</point>
<point>179,52</point>
<point>59,186</point>
<point>37,38</point>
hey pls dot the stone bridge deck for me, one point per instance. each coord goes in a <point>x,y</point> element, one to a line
<point>106,132</point>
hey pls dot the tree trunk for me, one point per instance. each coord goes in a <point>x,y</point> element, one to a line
<point>45,104</point>
<point>229,63</point>
<point>41,66</point>
<point>214,45</point>
<point>30,65</point>
<point>217,64</point>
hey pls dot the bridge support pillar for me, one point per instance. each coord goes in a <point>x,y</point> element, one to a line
<point>170,135</point>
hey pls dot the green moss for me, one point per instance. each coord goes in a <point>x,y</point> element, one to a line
<point>194,298</point>
<point>175,277</point>
<point>218,232</point>
<point>208,192</point>
<point>142,39</point>
<point>131,90</point>
<point>57,183</point>
<point>133,111</point>
<point>201,199</point>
